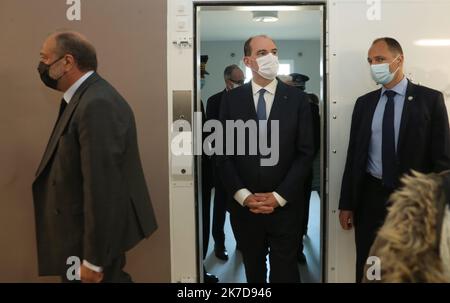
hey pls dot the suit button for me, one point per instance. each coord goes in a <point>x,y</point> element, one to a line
<point>56,211</point>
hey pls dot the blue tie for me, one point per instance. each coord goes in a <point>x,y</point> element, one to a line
<point>388,142</point>
<point>261,107</point>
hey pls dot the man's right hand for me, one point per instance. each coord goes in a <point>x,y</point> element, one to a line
<point>346,219</point>
<point>89,276</point>
<point>256,205</point>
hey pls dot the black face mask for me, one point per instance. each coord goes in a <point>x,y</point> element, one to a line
<point>44,72</point>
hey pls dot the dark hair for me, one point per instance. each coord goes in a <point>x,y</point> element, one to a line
<point>248,48</point>
<point>229,70</point>
<point>393,45</point>
<point>83,51</point>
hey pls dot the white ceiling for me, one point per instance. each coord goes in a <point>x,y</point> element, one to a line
<point>238,25</point>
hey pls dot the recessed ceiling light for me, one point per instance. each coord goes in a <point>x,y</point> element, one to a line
<point>433,42</point>
<point>265,16</point>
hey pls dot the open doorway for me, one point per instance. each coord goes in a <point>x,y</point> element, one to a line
<point>220,33</point>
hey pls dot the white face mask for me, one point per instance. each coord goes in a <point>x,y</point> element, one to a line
<point>235,85</point>
<point>268,66</point>
<point>381,73</point>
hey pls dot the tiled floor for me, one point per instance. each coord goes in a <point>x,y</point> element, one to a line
<point>233,269</point>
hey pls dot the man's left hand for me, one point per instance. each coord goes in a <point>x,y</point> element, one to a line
<point>268,200</point>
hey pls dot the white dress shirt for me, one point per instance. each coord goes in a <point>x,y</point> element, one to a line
<point>269,96</point>
<point>71,91</point>
<point>67,97</point>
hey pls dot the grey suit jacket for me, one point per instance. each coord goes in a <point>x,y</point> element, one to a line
<point>90,195</point>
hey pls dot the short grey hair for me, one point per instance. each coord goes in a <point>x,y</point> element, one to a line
<point>229,70</point>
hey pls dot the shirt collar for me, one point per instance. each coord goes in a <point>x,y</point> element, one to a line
<point>400,88</point>
<point>271,87</point>
<point>71,91</point>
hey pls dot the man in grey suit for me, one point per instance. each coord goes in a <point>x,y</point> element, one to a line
<point>90,196</point>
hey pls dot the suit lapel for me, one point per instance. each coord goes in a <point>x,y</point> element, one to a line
<point>409,99</point>
<point>249,101</point>
<point>280,96</point>
<point>63,121</point>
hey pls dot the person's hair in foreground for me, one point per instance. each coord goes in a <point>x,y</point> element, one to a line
<point>414,243</point>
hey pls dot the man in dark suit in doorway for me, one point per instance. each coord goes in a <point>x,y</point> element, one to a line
<point>90,195</point>
<point>399,127</point>
<point>207,179</point>
<point>299,81</point>
<point>267,199</point>
<point>234,77</point>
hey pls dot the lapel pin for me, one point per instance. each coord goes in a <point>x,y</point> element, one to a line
<point>410,98</point>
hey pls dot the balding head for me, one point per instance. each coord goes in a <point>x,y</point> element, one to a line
<point>67,55</point>
<point>249,44</point>
<point>74,43</point>
<point>387,51</point>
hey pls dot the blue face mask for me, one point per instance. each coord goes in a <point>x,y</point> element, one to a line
<point>202,83</point>
<point>381,73</point>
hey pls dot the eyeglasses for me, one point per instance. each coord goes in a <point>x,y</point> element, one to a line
<point>239,82</point>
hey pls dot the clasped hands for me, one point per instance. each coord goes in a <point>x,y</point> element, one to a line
<point>261,203</point>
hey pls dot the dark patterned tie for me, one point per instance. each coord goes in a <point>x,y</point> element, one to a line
<point>388,142</point>
<point>62,107</point>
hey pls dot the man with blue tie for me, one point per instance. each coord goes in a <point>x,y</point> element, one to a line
<point>395,129</point>
<point>267,200</point>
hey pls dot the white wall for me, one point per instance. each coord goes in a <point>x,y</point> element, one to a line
<point>180,76</point>
<point>219,53</point>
